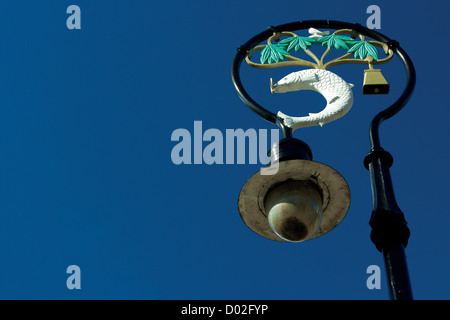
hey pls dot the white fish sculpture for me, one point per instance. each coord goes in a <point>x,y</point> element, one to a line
<point>335,90</point>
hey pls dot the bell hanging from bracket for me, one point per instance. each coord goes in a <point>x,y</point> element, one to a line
<point>374,82</point>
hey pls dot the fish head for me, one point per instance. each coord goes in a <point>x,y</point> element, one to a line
<point>293,82</point>
<point>287,80</point>
<point>283,85</point>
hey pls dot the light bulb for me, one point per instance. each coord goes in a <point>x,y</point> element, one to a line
<point>294,210</point>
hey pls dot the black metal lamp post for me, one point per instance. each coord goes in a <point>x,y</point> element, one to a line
<point>390,233</point>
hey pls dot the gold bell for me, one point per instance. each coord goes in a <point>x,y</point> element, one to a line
<point>374,82</point>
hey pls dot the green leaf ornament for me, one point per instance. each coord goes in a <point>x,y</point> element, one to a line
<point>273,53</point>
<point>363,49</point>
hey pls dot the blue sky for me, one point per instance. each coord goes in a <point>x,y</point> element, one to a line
<point>87,179</point>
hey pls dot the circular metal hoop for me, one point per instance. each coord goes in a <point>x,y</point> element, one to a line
<point>327,24</point>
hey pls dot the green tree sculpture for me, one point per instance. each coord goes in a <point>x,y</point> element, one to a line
<point>279,54</point>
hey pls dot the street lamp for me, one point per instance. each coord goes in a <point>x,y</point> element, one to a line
<point>305,199</point>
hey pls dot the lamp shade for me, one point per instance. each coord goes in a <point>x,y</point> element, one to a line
<point>298,185</point>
